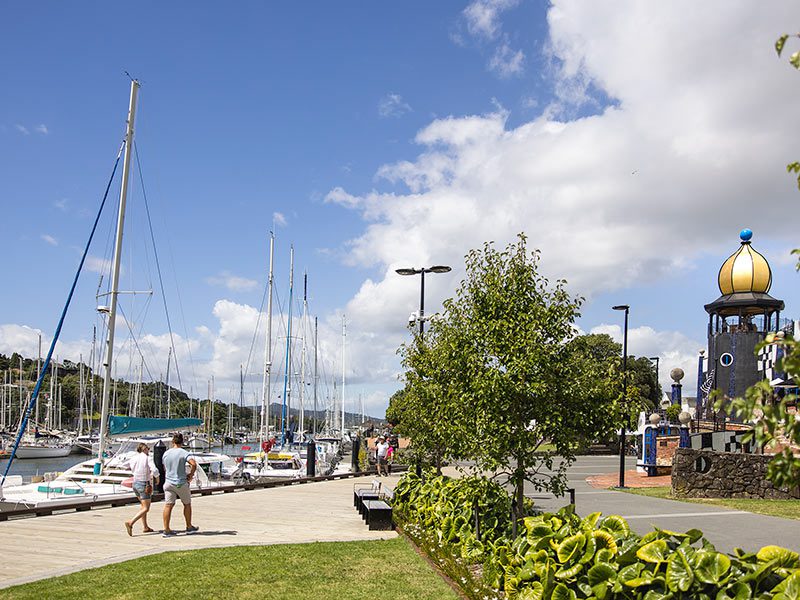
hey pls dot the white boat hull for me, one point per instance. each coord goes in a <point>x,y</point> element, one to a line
<point>43,451</point>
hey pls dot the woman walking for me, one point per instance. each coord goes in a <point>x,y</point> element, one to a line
<point>144,471</point>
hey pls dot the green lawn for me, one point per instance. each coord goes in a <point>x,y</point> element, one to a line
<point>788,509</point>
<point>336,570</point>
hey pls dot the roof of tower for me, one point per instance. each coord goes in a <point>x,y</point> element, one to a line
<point>745,270</point>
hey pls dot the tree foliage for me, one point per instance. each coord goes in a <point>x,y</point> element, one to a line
<point>501,373</point>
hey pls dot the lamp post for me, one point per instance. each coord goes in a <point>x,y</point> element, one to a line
<point>656,359</point>
<point>421,272</point>
<point>626,308</point>
<point>421,316</point>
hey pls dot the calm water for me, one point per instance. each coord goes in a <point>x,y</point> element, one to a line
<point>30,467</point>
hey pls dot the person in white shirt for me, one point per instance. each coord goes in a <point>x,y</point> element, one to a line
<point>381,450</point>
<point>144,471</point>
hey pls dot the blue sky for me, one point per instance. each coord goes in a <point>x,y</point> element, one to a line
<point>373,136</point>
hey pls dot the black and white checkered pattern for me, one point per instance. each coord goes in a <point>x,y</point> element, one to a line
<point>767,360</point>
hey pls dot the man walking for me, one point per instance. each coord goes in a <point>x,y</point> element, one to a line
<point>176,483</point>
<point>381,449</point>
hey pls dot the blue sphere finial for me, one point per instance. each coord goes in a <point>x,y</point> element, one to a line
<point>745,235</point>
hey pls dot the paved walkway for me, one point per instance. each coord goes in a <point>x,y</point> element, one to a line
<point>42,547</point>
<point>725,528</point>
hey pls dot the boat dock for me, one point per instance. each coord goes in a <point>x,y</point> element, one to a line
<point>321,511</point>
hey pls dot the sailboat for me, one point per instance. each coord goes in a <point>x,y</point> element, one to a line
<point>106,475</point>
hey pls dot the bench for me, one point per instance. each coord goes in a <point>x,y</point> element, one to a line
<point>378,515</point>
<point>363,492</point>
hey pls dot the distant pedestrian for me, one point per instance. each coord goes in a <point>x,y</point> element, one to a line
<point>144,472</point>
<point>389,457</point>
<point>381,450</point>
<point>176,483</point>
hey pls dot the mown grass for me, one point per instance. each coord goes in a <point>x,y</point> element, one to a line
<point>787,509</point>
<point>336,570</point>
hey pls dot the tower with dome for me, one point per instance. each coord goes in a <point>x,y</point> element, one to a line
<point>738,320</point>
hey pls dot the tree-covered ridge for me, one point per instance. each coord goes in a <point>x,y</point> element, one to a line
<point>21,371</point>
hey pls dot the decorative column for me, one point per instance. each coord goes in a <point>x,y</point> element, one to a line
<point>677,375</point>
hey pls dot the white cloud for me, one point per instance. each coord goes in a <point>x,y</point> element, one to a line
<point>95,264</point>
<point>25,341</point>
<point>703,124</point>
<point>42,128</point>
<point>483,23</point>
<point>393,105</point>
<point>22,129</point>
<point>482,16</point>
<point>232,282</point>
<point>279,219</point>
<point>61,204</point>
<point>674,349</point>
<point>507,62</point>
<point>49,239</point>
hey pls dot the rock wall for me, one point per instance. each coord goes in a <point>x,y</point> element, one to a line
<point>706,474</point>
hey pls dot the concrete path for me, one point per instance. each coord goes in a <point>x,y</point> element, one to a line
<point>41,547</point>
<point>725,528</point>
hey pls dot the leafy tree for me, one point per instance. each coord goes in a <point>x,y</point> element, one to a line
<point>644,391</point>
<point>500,374</point>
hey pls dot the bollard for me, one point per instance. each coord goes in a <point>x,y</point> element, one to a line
<point>158,459</point>
<point>354,466</point>
<point>311,459</point>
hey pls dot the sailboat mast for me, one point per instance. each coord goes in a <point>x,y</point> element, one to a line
<point>303,361</point>
<point>169,361</point>
<point>287,367</point>
<point>316,332</point>
<point>112,314</point>
<point>264,429</point>
<point>344,339</point>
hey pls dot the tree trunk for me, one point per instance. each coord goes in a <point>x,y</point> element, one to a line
<point>519,490</point>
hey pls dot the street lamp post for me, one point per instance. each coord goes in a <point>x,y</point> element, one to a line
<point>421,316</point>
<point>421,272</point>
<point>655,358</point>
<point>626,308</point>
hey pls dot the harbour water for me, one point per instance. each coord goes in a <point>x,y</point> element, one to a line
<point>31,467</point>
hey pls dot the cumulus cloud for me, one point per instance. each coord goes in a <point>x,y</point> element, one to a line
<point>61,204</point>
<point>702,123</point>
<point>393,105</point>
<point>49,239</point>
<point>232,282</point>
<point>673,348</point>
<point>42,128</point>
<point>507,62</point>
<point>483,16</point>
<point>279,219</point>
<point>22,129</point>
<point>25,341</point>
<point>95,264</point>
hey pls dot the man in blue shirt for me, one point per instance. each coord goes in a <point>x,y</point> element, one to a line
<point>176,483</point>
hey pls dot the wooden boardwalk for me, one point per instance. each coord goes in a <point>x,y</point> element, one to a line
<point>41,547</point>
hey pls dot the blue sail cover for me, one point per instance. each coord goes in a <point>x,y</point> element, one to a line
<point>137,425</point>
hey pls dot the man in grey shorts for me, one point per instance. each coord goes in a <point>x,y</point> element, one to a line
<point>176,483</point>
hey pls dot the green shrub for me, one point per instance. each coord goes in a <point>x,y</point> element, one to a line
<point>672,413</point>
<point>562,556</point>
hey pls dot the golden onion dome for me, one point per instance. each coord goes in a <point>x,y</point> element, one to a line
<point>745,270</point>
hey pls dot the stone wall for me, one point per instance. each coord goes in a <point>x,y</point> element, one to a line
<point>706,474</point>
